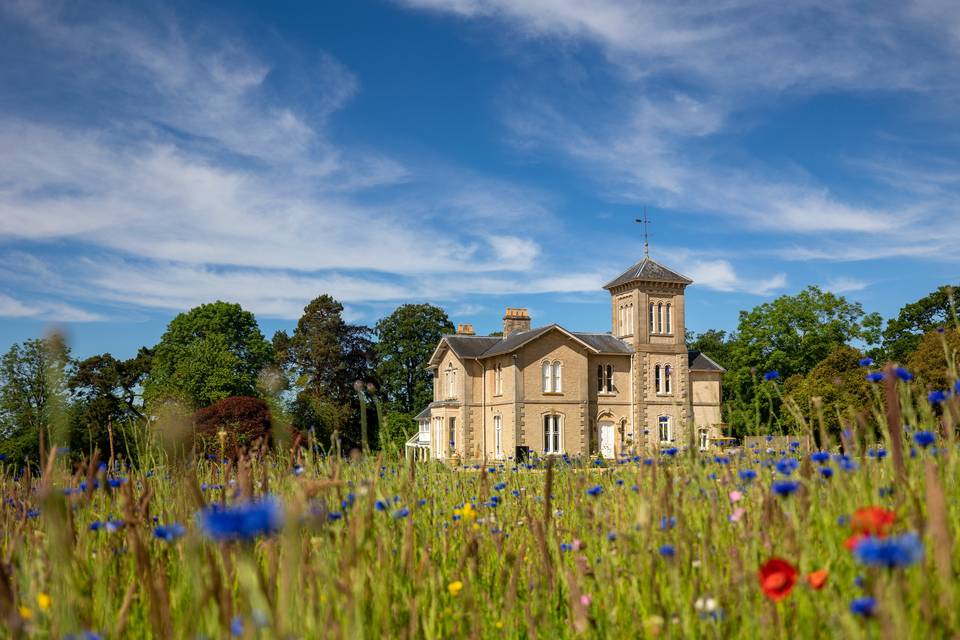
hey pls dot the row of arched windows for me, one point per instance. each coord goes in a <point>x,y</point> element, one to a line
<point>663,379</point>
<point>661,318</point>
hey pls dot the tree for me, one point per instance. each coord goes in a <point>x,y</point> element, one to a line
<point>790,335</point>
<point>106,402</point>
<point>397,429</point>
<point>714,343</point>
<point>936,359</point>
<point>903,333</point>
<point>323,358</point>
<point>209,353</point>
<point>242,420</point>
<point>33,398</point>
<point>405,341</point>
<point>836,385</point>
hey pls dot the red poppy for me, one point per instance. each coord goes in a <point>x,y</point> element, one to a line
<point>873,521</point>
<point>852,542</point>
<point>817,579</point>
<point>777,578</point>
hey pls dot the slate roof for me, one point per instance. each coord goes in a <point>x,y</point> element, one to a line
<point>699,361</point>
<point>488,346</point>
<point>648,270</point>
<point>423,415</point>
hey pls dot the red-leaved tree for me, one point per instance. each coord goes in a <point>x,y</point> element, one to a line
<point>243,420</point>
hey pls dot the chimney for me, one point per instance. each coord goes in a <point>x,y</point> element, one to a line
<point>515,320</point>
<point>465,330</point>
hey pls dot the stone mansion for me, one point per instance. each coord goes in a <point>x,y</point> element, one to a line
<point>549,390</point>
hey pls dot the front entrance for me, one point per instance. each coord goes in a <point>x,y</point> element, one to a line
<point>606,439</point>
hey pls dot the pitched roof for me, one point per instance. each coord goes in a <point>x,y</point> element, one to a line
<point>699,361</point>
<point>648,270</point>
<point>488,346</point>
<point>423,415</point>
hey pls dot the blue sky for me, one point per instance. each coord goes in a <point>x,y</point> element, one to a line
<point>473,154</point>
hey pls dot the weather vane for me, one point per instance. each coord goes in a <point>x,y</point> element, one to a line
<point>646,232</point>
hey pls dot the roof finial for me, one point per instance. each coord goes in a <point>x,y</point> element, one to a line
<point>646,233</point>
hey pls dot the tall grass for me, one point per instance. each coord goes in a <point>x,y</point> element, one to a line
<point>377,548</point>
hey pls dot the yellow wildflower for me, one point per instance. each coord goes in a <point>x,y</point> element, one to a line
<point>455,587</point>
<point>26,613</point>
<point>467,512</point>
<point>499,624</point>
<point>43,601</point>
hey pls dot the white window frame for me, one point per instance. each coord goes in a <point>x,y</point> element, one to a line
<point>599,378</point>
<point>552,434</point>
<point>703,435</point>
<point>669,322</point>
<point>661,421</point>
<point>659,318</point>
<point>452,433</point>
<point>498,379</point>
<point>653,326</point>
<point>557,376</point>
<point>608,379</point>
<point>498,437</point>
<point>451,382</point>
<point>667,380</point>
<point>546,376</point>
<point>658,378</point>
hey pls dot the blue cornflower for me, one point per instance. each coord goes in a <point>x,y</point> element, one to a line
<point>747,474</point>
<point>611,536</point>
<point>903,374</point>
<point>667,551</point>
<point>333,516</point>
<point>243,521</point>
<point>785,487</point>
<point>672,451</point>
<point>33,513</point>
<point>170,532</point>
<point>937,397</point>
<point>595,490</point>
<point>890,552</point>
<point>298,470</point>
<point>866,362</point>
<point>820,456</point>
<point>924,438</point>
<point>786,466</point>
<point>876,376</point>
<point>115,483</point>
<point>401,513</point>
<point>863,606</point>
<point>380,505</point>
<point>236,626</point>
<point>879,454</point>
<point>515,493</point>
<point>566,546</point>
<point>113,526</point>
<point>956,387</point>
<point>500,486</point>
<point>771,375</point>
<point>826,472</point>
<point>722,460</point>
<point>668,522</point>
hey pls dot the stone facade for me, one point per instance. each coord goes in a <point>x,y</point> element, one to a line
<point>548,390</point>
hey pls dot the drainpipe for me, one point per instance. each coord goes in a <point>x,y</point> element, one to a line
<point>483,408</point>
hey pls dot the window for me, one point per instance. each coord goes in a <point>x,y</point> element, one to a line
<point>665,431</point>
<point>652,312</point>
<point>545,367</point>
<point>498,379</point>
<point>497,437</point>
<point>451,382</point>
<point>704,437</point>
<point>669,320</point>
<point>609,378</point>
<point>453,434</point>
<point>599,378</point>
<point>551,434</point>
<point>657,382</point>
<point>659,317</point>
<point>667,380</point>
<point>552,377</point>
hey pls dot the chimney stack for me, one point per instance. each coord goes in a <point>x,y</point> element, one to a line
<point>515,319</point>
<point>465,330</point>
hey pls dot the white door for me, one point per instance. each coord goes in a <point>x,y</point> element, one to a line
<point>606,439</point>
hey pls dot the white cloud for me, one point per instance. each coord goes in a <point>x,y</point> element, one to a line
<point>45,310</point>
<point>721,276</point>
<point>845,285</point>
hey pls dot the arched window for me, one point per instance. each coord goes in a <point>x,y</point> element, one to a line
<point>498,379</point>
<point>557,388</point>
<point>451,381</point>
<point>666,434</point>
<point>599,378</point>
<point>551,433</point>
<point>609,378</point>
<point>652,312</point>
<point>659,317</point>
<point>669,320</point>
<point>667,380</point>
<point>545,369</point>
<point>657,382</point>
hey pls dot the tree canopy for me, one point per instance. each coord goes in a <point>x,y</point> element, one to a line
<point>935,359</point>
<point>209,353</point>
<point>902,334</point>
<point>405,340</point>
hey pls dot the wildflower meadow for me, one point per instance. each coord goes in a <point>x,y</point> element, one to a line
<point>853,538</point>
